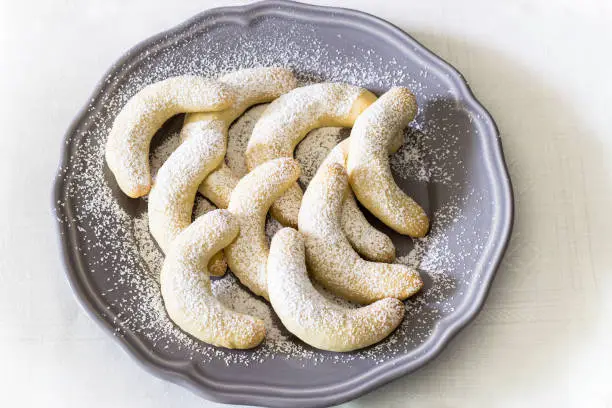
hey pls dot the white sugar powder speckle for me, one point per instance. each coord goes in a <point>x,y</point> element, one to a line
<point>311,152</point>
<point>238,138</point>
<point>162,152</point>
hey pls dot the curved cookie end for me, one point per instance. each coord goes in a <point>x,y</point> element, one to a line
<point>287,207</point>
<point>413,285</point>
<point>404,97</point>
<point>136,191</point>
<point>365,99</point>
<point>417,226</point>
<point>394,309</point>
<point>217,266</point>
<point>386,252</point>
<point>253,332</point>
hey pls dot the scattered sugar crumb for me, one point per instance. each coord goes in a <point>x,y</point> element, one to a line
<point>238,138</point>
<point>311,151</point>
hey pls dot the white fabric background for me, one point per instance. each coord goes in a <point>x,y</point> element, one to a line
<point>541,67</point>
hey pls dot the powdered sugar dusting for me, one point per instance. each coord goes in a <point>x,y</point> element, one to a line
<point>148,249</point>
<point>202,206</point>
<point>123,262</point>
<point>138,120</point>
<point>298,110</point>
<point>311,152</point>
<point>238,138</point>
<point>311,316</point>
<point>433,256</point>
<point>159,155</point>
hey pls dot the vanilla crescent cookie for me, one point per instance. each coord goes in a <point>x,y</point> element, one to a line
<point>288,119</point>
<point>172,196</point>
<point>127,148</point>
<point>309,315</point>
<point>368,163</point>
<point>367,240</point>
<point>186,290</point>
<point>249,203</point>
<point>251,86</point>
<point>331,259</point>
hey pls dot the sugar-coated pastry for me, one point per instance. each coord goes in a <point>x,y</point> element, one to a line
<point>172,197</point>
<point>331,259</point>
<point>289,118</point>
<point>251,86</point>
<point>368,163</point>
<point>313,318</point>
<point>249,203</point>
<point>127,148</point>
<point>186,291</point>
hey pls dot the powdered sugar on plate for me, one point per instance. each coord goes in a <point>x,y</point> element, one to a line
<point>123,261</point>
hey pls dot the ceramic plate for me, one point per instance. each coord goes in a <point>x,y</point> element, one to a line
<point>452,163</point>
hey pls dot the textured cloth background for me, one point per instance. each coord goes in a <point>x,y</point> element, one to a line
<point>541,67</point>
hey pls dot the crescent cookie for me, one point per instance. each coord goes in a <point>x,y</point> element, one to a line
<point>313,318</point>
<point>367,240</point>
<point>173,194</point>
<point>171,199</point>
<point>249,203</point>
<point>331,259</point>
<point>127,148</point>
<point>252,87</point>
<point>185,286</point>
<point>288,120</point>
<point>368,163</point>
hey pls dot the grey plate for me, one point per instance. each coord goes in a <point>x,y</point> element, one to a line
<point>327,43</point>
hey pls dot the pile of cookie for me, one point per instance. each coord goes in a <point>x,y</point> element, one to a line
<point>327,238</point>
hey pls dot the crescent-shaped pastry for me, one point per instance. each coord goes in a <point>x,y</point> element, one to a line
<point>331,259</point>
<point>185,286</point>
<point>367,240</point>
<point>172,197</point>
<point>313,318</point>
<point>127,148</point>
<point>252,87</point>
<point>368,163</point>
<point>289,118</point>
<point>249,203</point>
